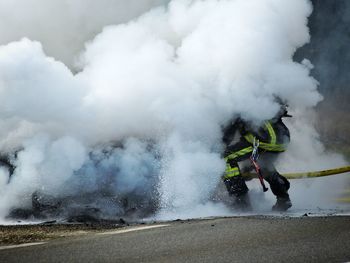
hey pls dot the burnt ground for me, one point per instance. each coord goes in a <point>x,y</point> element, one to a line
<point>19,234</point>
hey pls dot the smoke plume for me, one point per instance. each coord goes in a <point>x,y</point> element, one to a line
<point>63,26</point>
<point>328,50</point>
<point>137,111</point>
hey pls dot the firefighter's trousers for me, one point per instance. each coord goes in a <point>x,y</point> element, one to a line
<point>233,179</point>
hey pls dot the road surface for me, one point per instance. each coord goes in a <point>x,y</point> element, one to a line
<point>242,239</point>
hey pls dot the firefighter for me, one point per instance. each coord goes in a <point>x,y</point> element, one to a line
<point>273,137</point>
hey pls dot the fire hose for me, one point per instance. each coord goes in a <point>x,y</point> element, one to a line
<point>302,175</point>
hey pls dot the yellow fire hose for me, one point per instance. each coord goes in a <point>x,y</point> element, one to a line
<point>340,170</point>
<point>343,200</point>
<point>345,197</point>
<point>322,173</point>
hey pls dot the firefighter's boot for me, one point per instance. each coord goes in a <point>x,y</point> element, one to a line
<point>237,188</point>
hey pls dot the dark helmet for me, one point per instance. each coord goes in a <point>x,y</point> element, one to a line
<point>283,112</point>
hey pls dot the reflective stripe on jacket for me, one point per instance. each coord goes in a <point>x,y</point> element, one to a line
<point>272,136</point>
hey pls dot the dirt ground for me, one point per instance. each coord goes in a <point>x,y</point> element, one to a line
<point>18,234</point>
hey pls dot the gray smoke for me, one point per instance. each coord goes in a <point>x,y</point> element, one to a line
<point>141,121</point>
<point>328,49</point>
<point>63,26</point>
<point>329,52</point>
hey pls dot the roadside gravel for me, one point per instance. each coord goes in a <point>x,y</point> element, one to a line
<point>18,234</point>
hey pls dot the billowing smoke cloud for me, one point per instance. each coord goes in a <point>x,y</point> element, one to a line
<point>143,117</point>
<point>329,28</point>
<point>63,26</point>
<point>328,50</point>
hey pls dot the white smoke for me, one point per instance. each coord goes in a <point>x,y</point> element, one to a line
<point>63,26</point>
<point>167,80</point>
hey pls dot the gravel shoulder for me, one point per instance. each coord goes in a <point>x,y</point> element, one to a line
<point>19,234</point>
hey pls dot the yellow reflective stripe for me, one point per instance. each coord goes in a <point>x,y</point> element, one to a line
<point>249,137</point>
<point>272,148</point>
<point>230,169</point>
<point>239,153</point>
<point>266,146</point>
<point>272,133</point>
<point>231,172</point>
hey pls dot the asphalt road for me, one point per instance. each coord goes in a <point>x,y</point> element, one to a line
<point>245,239</point>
